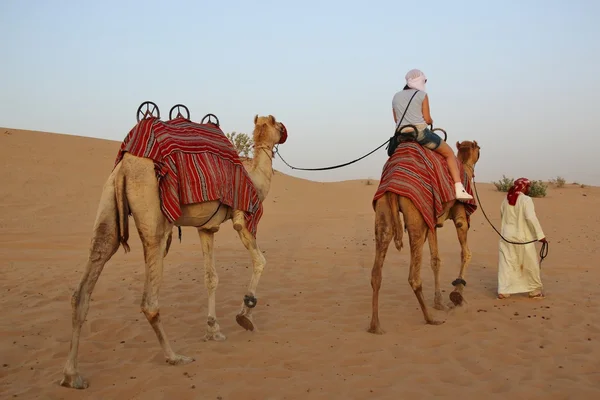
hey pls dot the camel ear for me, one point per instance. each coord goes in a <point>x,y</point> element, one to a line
<point>255,119</point>
<point>272,119</point>
<point>457,145</point>
<point>475,145</point>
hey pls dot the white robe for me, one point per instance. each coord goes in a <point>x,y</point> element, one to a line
<point>518,266</point>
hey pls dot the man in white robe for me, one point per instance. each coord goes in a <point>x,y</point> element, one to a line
<point>518,265</point>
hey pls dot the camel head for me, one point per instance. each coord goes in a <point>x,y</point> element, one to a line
<point>468,152</point>
<point>268,132</point>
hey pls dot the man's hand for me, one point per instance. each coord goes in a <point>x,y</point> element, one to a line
<point>543,240</point>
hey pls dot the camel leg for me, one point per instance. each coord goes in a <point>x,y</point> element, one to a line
<point>417,231</point>
<point>154,250</point>
<point>462,229</point>
<point>103,246</point>
<point>436,264</point>
<point>211,281</point>
<point>383,237</point>
<point>244,318</point>
<point>154,230</point>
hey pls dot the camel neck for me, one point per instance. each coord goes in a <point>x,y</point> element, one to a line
<point>470,170</point>
<point>261,172</point>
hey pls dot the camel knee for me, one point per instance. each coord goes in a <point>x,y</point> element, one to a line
<point>415,283</point>
<point>152,313</point>
<point>466,255</point>
<point>460,222</point>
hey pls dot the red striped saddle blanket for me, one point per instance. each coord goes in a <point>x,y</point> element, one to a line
<point>194,163</point>
<point>423,176</point>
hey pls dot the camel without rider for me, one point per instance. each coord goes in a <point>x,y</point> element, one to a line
<point>132,187</point>
<point>388,226</point>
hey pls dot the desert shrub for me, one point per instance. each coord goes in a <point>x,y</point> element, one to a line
<point>504,184</point>
<point>242,143</point>
<point>558,181</point>
<point>538,189</point>
<point>369,182</point>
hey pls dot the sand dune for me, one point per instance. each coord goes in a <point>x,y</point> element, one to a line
<point>314,298</point>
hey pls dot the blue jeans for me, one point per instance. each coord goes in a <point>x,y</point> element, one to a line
<point>427,138</point>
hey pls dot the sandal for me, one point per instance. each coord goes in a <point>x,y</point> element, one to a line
<point>503,296</point>
<point>537,296</point>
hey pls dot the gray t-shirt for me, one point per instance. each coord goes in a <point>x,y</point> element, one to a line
<point>414,114</point>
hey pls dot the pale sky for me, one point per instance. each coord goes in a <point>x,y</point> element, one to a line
<point>520,77</point>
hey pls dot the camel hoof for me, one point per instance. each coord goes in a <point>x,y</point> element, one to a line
<point>435,322</point>
<point>456,298</point>
<point>376,330</point>
<point>74,382</point>
<point>216,336</point>
<point>180,360</point>
<point>244,322</point>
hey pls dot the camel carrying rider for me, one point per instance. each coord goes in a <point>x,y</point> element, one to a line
<point>417,114</point>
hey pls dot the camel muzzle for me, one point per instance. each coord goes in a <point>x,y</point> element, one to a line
<point>284,134</point>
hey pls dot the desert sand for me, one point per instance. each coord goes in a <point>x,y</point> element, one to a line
<point>314,298</point>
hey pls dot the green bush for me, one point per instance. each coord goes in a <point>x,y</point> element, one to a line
<point>538,189</point>
<point>504,184</point>
<point>242,143</point>
<point>559,181</point>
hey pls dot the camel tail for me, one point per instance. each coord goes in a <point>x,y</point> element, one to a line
<point>122,210</point>
<point>398,228</point>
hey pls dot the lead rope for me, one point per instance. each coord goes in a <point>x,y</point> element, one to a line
<point>328,168</point>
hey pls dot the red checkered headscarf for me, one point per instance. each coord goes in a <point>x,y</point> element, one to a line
<point>521,185</point>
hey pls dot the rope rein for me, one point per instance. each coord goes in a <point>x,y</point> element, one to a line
<point>327,168</point>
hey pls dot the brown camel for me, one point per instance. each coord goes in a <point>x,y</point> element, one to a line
<point>133,188</point>
<point>388,225</point>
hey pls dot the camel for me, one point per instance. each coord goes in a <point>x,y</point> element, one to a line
<point>388,225</point>
<point>132,187</point>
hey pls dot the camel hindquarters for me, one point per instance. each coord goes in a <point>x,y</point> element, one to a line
<point>104,244</point>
